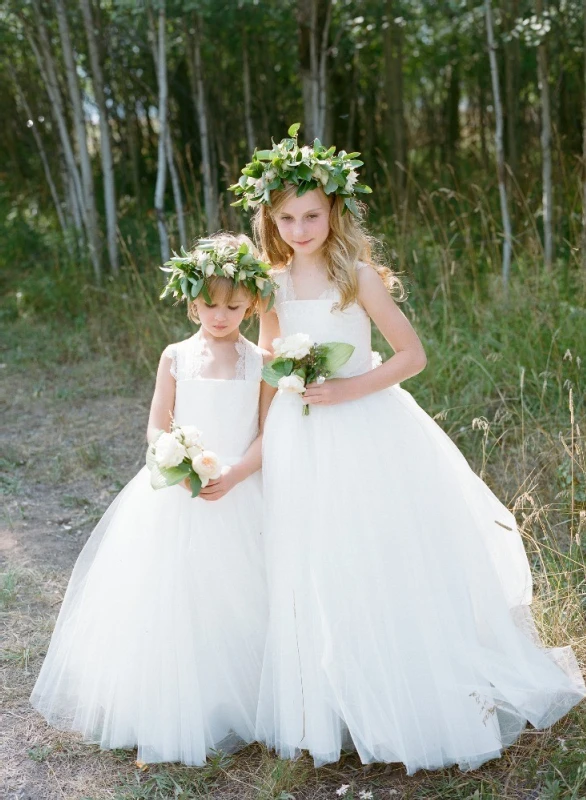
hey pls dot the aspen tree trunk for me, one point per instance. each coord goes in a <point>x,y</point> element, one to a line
<point>161,67</point>
<point>248,123</point>
<point>511,51</point>
<point>81,138</point>
<point>314,20</point>
<point>393,53</point>
<point>105,139</point>
<point>176,185</point>
<point>198,93</point>
<point>500,154</point>
<point>322,105</point>
<point>46,64</point>
<point>41,149</point>
<point>547,192</point>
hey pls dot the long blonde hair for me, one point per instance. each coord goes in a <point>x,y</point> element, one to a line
<point>347,243</point>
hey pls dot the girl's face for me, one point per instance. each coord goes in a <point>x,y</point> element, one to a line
<point>222,318</point>
<point>304,222</point>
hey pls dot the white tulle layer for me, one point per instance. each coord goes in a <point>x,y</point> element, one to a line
<point>398,587</point>
<point>159,640</point>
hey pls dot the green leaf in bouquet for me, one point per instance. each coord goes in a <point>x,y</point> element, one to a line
<point>275,370</point>
<point>169,476</point>
<point>195,483</point>
<point>336,354</point>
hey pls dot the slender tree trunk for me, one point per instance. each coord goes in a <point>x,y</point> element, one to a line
<point>198,92</point>
<point>248,117</point>
<point>547,194</point>
<point>46,64</point>
<point>160,50</point>
<point>105,141</point>
<point>393,52</point>
<point>42,153</point>
<point>511,50</point>
<point>453,113</point>
<point>81,138</point>
<point>314,20</point>
<point>134,146</point>
<point>176,185</point>
<point>500,153</point>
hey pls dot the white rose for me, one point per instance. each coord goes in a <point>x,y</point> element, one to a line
<point>377,359</point>
<point>259,185</point>
<point>296,346</point>
<point>191,435</point>
<point>207,465</point>
<point>194,451</point>
<point>321,175</point>
<point>291,384</point>
<point>270,175</point>
<point>229,269</point>
<point>168,451</point>
<point>251,181</point>
<point>241,275</point>
<point>210,269</point>
<point>306,152</point>
<point>351,180</point>
<point>277,345</point>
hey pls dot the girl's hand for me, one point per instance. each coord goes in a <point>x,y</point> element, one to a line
<point>329,393</point>
<point>216,489</point>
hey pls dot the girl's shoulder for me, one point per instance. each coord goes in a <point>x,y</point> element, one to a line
<point>252,359</point>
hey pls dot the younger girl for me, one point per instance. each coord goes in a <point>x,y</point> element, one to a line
<point>159,641</point>
<point>398,583</point>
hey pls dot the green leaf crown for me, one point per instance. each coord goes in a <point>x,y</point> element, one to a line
<point>308,167</point>
<point>189,273</point>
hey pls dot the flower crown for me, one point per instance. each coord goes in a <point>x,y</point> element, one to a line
<point>308,167</point>
<point>190,272</point>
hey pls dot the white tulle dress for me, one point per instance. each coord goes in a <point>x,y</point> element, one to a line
<point>398,583</point>
<point>159,640</point>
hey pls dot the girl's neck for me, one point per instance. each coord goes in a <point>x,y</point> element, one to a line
<point>312,262</point>
<point>212,340</point>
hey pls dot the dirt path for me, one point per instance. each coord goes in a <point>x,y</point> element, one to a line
<point>72,436</point>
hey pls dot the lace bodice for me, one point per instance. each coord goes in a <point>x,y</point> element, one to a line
<point>191,359</point>
<point>319,319</point>
<point>225,410</point>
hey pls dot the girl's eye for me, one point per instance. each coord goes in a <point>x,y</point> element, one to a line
<point>210,305</point>
<point>233,308</point>
<point>312,216</point>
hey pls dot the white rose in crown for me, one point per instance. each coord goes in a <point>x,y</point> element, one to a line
<point>169,452</point>
<point>295,346</point>
<point>292,384</point>
<point>208,467</point>
<point>321,175</point>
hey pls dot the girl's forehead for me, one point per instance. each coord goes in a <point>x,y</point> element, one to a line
<point>315,200</point>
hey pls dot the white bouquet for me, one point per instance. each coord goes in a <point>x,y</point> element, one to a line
<point>298,361</point>
<point>180,454</point>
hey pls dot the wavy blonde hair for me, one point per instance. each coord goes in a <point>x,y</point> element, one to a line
<point>223,289</point>
<point>347,243</point>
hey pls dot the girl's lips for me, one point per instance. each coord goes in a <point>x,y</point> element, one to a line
<point>307,241</point>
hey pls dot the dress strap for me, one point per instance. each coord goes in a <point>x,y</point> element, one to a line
<point>250,361</point>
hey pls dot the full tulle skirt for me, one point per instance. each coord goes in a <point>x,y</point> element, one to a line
<point>398,594</point>
<point>159,640</point>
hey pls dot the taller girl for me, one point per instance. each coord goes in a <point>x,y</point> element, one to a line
<point>399,586</point>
